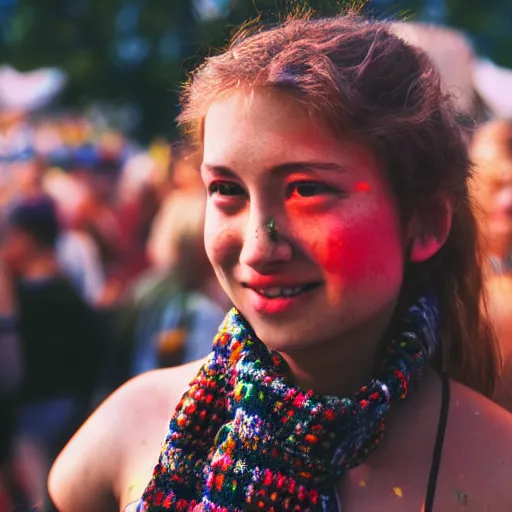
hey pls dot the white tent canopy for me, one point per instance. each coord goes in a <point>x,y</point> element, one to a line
<point>494,85</point>
<point>29,91</point>
<point>464,75</point>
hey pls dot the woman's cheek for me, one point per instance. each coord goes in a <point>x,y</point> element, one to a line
<point>222,243</point>
<point>343,254</point>
<point>356,252</point>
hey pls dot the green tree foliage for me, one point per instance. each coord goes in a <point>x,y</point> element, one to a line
<point>124,52</point>
<point>488,23</point>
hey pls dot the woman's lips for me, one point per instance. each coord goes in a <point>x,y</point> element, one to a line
<point>278,299</point>
<point>275,292</point>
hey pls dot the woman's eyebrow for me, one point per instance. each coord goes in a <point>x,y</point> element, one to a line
<point>314,165</point>
<point>221,170</point>
<point>284,168</point>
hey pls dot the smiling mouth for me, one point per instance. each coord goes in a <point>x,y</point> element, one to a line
<point>277,292</point>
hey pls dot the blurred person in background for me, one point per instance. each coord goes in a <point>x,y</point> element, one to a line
<point>77,251</point>
<point>137,203</point>
<point>491,151</point>
<point>96,214</point>
<point>59,336</point>
<point>491,188</point>
<point>115,214</point>
<point>26,176</point>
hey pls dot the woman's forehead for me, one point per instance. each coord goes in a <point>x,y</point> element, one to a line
<point>260,109</point>
<point>272,128</point>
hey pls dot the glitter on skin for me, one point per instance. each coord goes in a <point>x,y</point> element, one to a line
<point>398,492</point>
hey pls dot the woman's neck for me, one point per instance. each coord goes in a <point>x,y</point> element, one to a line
<point>341,367</point>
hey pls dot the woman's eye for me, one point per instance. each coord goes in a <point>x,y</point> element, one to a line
<point>225,189</point>
<point>308,189</point>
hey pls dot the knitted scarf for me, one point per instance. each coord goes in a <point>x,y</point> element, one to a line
<point>243,437</point>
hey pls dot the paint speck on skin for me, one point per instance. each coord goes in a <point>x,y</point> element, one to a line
<point>462,497</point>
<point>362,483</point>
<point>362,186</point>
<point>398,492</point>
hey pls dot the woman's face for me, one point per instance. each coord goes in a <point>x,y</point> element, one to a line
<point>336,264</point>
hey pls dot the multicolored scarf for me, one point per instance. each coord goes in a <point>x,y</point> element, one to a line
<point>245,438</point>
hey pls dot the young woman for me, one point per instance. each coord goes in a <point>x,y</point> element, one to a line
<point>338,223</point>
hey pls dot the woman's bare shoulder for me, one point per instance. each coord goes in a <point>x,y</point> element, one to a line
<point>477,452</point>
<point>475,414</point>
<point>89,474</point>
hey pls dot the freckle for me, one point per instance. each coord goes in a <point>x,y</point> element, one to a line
<point>362,186</point>
<point>362,483</point>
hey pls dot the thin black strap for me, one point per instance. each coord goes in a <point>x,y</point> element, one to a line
<point>438,448</point>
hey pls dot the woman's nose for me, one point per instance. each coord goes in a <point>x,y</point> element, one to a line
<point>265,244</point>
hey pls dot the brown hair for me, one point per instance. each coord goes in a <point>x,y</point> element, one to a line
<point>362,81</point>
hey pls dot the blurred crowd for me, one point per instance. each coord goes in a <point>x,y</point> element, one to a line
<point>103,275</point>
<point>103,272</point>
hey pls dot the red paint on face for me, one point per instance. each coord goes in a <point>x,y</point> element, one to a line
<point>349,259</point>
<point>362,186</point>
<point>331,255</point>
<point>346,253</point>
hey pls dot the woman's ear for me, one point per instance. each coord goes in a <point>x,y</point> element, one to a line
<point>429,230</point>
